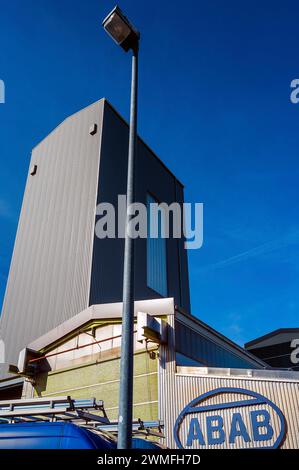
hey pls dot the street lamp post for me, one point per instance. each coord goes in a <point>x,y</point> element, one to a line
<point>126,36</point>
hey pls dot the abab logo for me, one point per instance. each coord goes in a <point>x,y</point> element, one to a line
<point>230,418</point>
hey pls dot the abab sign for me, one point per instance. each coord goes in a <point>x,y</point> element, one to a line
<point>230,418</point>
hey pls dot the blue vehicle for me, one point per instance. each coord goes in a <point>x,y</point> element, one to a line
<point>58,435</point>
<point>48,424</point>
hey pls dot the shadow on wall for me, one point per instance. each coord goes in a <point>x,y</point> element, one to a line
<point>41,384</point>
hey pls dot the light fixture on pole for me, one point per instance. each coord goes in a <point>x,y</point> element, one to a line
<point>125,35</point>
<point>119,28</point>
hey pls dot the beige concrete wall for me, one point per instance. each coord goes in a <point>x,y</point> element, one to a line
<point>100,379</point>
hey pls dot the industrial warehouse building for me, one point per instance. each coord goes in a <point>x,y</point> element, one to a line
<point>61,316</point>
<point>198,388</point>
<point>59,266</point>
<point>278,349</point>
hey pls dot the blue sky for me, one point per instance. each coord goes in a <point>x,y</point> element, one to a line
<point>213,104</point>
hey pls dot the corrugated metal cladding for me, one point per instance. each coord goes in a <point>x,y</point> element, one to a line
<point>156,253</point>
<point>59,267</point>
<point>177,387</point>
<point>151,176</point>
<point>49,279</point>
<point>181,389</point>
<point>195,346</point>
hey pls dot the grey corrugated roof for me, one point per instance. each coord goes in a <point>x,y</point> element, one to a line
<point>272,334</point>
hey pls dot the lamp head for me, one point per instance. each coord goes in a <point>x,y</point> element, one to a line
<point>119,28</point>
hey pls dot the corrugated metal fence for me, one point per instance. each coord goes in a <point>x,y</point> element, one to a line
<point>181,389</point>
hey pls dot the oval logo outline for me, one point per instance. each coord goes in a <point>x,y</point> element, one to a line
<point>222,390</point>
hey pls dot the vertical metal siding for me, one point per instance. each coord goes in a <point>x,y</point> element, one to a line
<point>184,300</point>
<point>284,394</point>
<point>49,277</point>
<point>156,252</point>
<point>151,177</point>
<point>176,390</point>
<point>196,346</point>
<point>182,389</point>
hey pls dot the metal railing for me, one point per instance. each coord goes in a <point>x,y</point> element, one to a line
<point>65,408</point>
<point>58,408</point>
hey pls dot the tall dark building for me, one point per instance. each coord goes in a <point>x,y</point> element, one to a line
<point>59,267</point>
<point>277,348</point>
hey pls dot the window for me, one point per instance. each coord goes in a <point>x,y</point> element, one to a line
<point>191,344</point>
<point>156,252</point>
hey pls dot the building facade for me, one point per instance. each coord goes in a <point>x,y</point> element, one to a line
<point>62,312</point>
<point>279,349</point>
<point>201,393</point>
<point>59,266</point>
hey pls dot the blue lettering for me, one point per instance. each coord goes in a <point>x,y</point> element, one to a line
<point>215,428</point>
<point>195,433</point>
<point>238,428</point>
<point>264,423</point>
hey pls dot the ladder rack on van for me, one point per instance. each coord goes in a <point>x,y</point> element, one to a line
<point>65,408</point>
<point>149,428</point>
<point>52,409</point>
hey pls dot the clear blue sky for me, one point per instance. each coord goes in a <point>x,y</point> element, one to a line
<point>214,105</point>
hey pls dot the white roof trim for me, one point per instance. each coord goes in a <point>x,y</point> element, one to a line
<point>101,311</point>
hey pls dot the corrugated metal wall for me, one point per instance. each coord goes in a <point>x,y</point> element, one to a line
<point>176,390</point>
<point>198,347</point>
<point>156,259</point>
<point>151,177</point>
<point>284,394</point>
<point>59,267</point>
<point>50,271</point>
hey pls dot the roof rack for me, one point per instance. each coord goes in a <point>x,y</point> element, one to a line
<point>54,409</point>
<point>149,428</point>
<point>65,408</point>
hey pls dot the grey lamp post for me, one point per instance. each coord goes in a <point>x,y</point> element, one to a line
<point>126,36</point>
